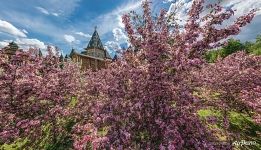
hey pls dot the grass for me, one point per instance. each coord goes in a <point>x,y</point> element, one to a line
<point>73,102</point>
<point>204,113</point>
<point>16,145</point>
<point>239,124</point>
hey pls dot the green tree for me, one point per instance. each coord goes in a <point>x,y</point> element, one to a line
<point>212,56</point>
<point>248,46</point>
<point>232,47</point>
<point>255,48</point>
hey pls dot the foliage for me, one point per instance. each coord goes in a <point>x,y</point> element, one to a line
<point>254,48</point>
<point>231,47</point>
<point>234,46</point>
<point>212,56</point>
<point>17,144</point>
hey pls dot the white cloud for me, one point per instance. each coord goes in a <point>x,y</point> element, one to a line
<point>168,1</point>
<point>121,40</point>
<point>7,27</point>
<point>83,34</point>
<point>26,43</point>
<point>25,31</point>
<point>3,44</point>
<point>113,19</point>
<point>112,46</point>
<point>46,12</point>
<point>69,38</point>
<point>242,7</point>
<point>180,9</point>
<point>119,36</point>
<point>128,7</point>
<point>43,10</point>
<point>55,14</point>
<point>249,32</point>
<point>37,24</point>
<point>120,23</point>
<point>64,8</point>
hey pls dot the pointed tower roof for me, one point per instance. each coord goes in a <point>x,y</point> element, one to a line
<point>13,45</point>
<point>61,57</point>
<point>11,48</point>
<point>115,57</point>
<point>40,54</point>
<point>72,52</point>
<point>96,44</point>
<point>95,41</point>
<point>66,57</point>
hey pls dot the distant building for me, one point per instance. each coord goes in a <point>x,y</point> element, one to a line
<point>10,49</point>
<point>94,56</point>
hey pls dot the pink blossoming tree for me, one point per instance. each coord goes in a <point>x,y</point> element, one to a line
<point>237,81</point>
<point>34,91</point>
<point>145,100</point>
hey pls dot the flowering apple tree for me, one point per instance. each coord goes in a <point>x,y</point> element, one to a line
<point>146,98</point>
<point>34,91</point>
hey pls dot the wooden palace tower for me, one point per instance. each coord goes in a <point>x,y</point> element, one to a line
<point>94,56</point>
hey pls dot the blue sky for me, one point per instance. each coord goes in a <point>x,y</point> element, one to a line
<point>70,23</point>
